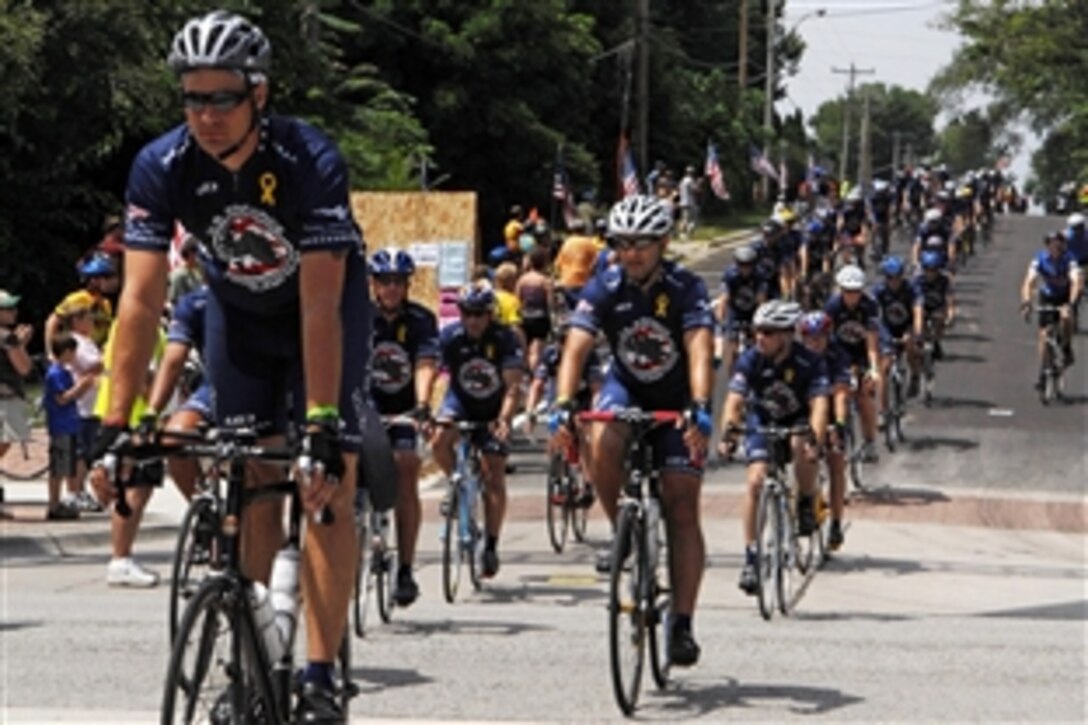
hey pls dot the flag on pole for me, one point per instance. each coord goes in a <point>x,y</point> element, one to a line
<point>761,164</point>
<point>713,172</point>
<point>626,169</point>
<point>561,191</point>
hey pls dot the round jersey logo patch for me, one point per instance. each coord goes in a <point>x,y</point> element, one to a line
<point>479,378</point>
<point>896,314</point>
<point>252,246</point>
<point>647,350</point>
<point>779,401</point>
<point>851,332</point>
<point>391,368</point>
<point>744,299</point>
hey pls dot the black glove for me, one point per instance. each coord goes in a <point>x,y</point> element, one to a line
<point>321,443</point>
<point>422,414</point>
<point>105,440</point>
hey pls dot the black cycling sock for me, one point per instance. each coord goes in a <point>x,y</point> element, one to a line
<point>491,543</point>
<point>750,554</point>
<point>320,673</point>
<point>681,622</point>
<point>404,570</point>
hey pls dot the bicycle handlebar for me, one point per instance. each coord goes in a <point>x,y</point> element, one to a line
<point>631,415</point>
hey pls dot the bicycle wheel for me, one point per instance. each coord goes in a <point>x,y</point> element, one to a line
<point>579,513</point>
<point>787,542</point>
<point>472,547</point>
<point>853,448</point>
<point>766,551</point>
<point>895,411</point>
<point>213,672</point>
<point>1050,383</point>
<point>195,555</point>
<point>361,600</point>
<point>383,591</point>
<point>29,460</point>
<point>348,688</point>
<point>659,602</point>
<point>928,374</point>
<point>451,547</point>
<point>558,493</point>
<point>626,615</point>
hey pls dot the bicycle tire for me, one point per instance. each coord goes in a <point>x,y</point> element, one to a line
<point>1046,395</point>
<point>182,585</point>
<point>451,548</point>
<point>557,518</point>
<point>29,461</point>
<point>220,598</point>
<point>766,554</point>
<point>787,555</point>
<point>624,606</point>
<point>348,688</point>
<point>928,375</point>
<point>471,550</point>
<point>853,447</point>
<point>383,592</point>
<point>660,605</point>
<point>361,600</point>
<point>579,515</point>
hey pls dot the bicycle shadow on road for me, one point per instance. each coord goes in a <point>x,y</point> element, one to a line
<point>889,495</point>
<point>564,591</point>
<point>691,698</point>
<point>948,401</point>
<point>927,443</point>
<point>372,680</point>
<point>423,628</point>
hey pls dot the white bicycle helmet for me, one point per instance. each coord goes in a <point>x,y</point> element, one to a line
<point>777,315</point>
<point>1075,219</point>
<point>639,216</point>
<point>933,215</point>
<point>224,41</point>
<point>850,278</point>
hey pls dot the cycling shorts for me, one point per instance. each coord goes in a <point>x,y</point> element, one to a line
<point>888,337</point>
<point>670,453</point>
<point>1049,317</point>
<point>200,402</point>
<point>757,449</point>
<point>254,363</point>
<point>403,437</point>
<point>536,328</point>
<point>454,409</point>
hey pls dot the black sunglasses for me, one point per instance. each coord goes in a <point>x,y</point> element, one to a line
<point>473,313</point>
<point>390,279</point>
<point>219,101</point>
<point>625,243</point>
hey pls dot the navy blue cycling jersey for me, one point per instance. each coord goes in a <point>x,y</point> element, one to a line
<point>932,293</point>
<point>896,305</point>
<point>399,343</point>
<point>646,330</point>
<point>838,366</point>
<point>476,366</point>
<point>290,197</point>
<point>780,392</point>
<point>187,322</point>
<point>818,241</point>
<point>1077,243</point>
<point>852,215</point>
<point>770,258</point>
<point>851,325</point>
<point>880,206</point>
<point>1054,274</point>
<point>548,369</point>
<point>744,292</point>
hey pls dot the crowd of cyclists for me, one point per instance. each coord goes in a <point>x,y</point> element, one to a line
<point>607,322</point>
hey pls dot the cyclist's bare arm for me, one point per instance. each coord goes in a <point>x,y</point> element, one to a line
<point>536,393</point>
<point>572,362</point>
<point>1076,282</point>
<point>721,304</point>
<point>919,320</point>
<point>321,286</point>
<point>699,344</point>
<point>426,373</point>
<point>138,315</point>
<point>511,377</point>
<point>166,377</point>
<point>1029,284</point>
<point>733,410</point>
<point>872,346</point>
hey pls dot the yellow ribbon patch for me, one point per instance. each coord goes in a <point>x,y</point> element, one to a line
<point>268,184</point>
<point>661,305</point>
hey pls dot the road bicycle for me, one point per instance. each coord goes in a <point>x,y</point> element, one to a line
<point>198,551</point>
<point>462,533</point>
<point>1052,367</point>
<point>232,659</point>
<point>567,498</point>
<point>853,443</point>
<point>929,362</point>
<point>26,460</point>
<point>896,386</point>
<point>783,554</point>
<point>639,602</point>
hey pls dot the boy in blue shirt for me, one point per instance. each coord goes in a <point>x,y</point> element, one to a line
<point>62,420</point>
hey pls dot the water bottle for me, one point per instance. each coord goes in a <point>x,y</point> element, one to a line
<point>284,593</point>
<point>265,617</point>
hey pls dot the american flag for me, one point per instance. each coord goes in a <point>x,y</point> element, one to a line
<point>761,164</point>
<point>713,172</point>
<point>628,172</point>
<point>561,191</point>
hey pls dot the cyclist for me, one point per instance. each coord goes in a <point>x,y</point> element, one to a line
<point>100,280</point>
<point>853,226</point>
<point>816,258</point>
<point>935,303</point>
<point>484,361</point>
<point>403,367</point>
<point>816,335</point>
<point>788,247</point>
<point>534,291</point>
<point>896,299</point>
<point>1056,270</point>
<point>934,235</point>
<point>742,292</point>
<point>1076,239</point>
<point>854,318</point>
<point>777,381</point>
<point>287,314</point>
<point>657,319</point>
<point>880,203</point>
<point>772,257</point>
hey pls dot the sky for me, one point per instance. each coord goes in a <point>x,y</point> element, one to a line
<point>898,39</point>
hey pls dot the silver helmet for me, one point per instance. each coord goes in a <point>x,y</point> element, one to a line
<point>224,41</point>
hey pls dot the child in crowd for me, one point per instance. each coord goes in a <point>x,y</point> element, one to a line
<point>62,421</point>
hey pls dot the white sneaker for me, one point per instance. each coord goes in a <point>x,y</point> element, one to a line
<point>127,572</point>
<point>84,501</point>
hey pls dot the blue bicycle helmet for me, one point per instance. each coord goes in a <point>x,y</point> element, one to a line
<point>815,323</point>
<point>98,265</point>
<point>892,266</point>
<point>392,261</point>
<point>815,227</point>
<point>476,298</point>
<point>930,260</point>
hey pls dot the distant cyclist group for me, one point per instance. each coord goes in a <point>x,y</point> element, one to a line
<point>301,351</point>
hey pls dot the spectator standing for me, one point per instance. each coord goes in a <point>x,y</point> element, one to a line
<point>100,280</point>
<point>15,366</point>
<point>86,363</point>
<point>188,276</point>
<point>59,397</point>
<point>689,203</point>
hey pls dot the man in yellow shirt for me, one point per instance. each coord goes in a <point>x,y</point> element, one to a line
<point>513,229</point>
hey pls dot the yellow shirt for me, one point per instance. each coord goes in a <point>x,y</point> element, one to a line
<point>511,232</point>
<point>100,307</point>
<point>139,407</point>
<point>576,260</point>
<point>509,307</point>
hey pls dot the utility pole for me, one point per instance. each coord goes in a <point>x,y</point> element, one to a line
<point>768,90</point>
<point>742,48</point>
<point>643,25</point>
<point>895,152</point>
<point>865,152</point>
<point>853,71</point>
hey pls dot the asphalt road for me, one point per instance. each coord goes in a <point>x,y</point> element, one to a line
<point>960,593</point>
